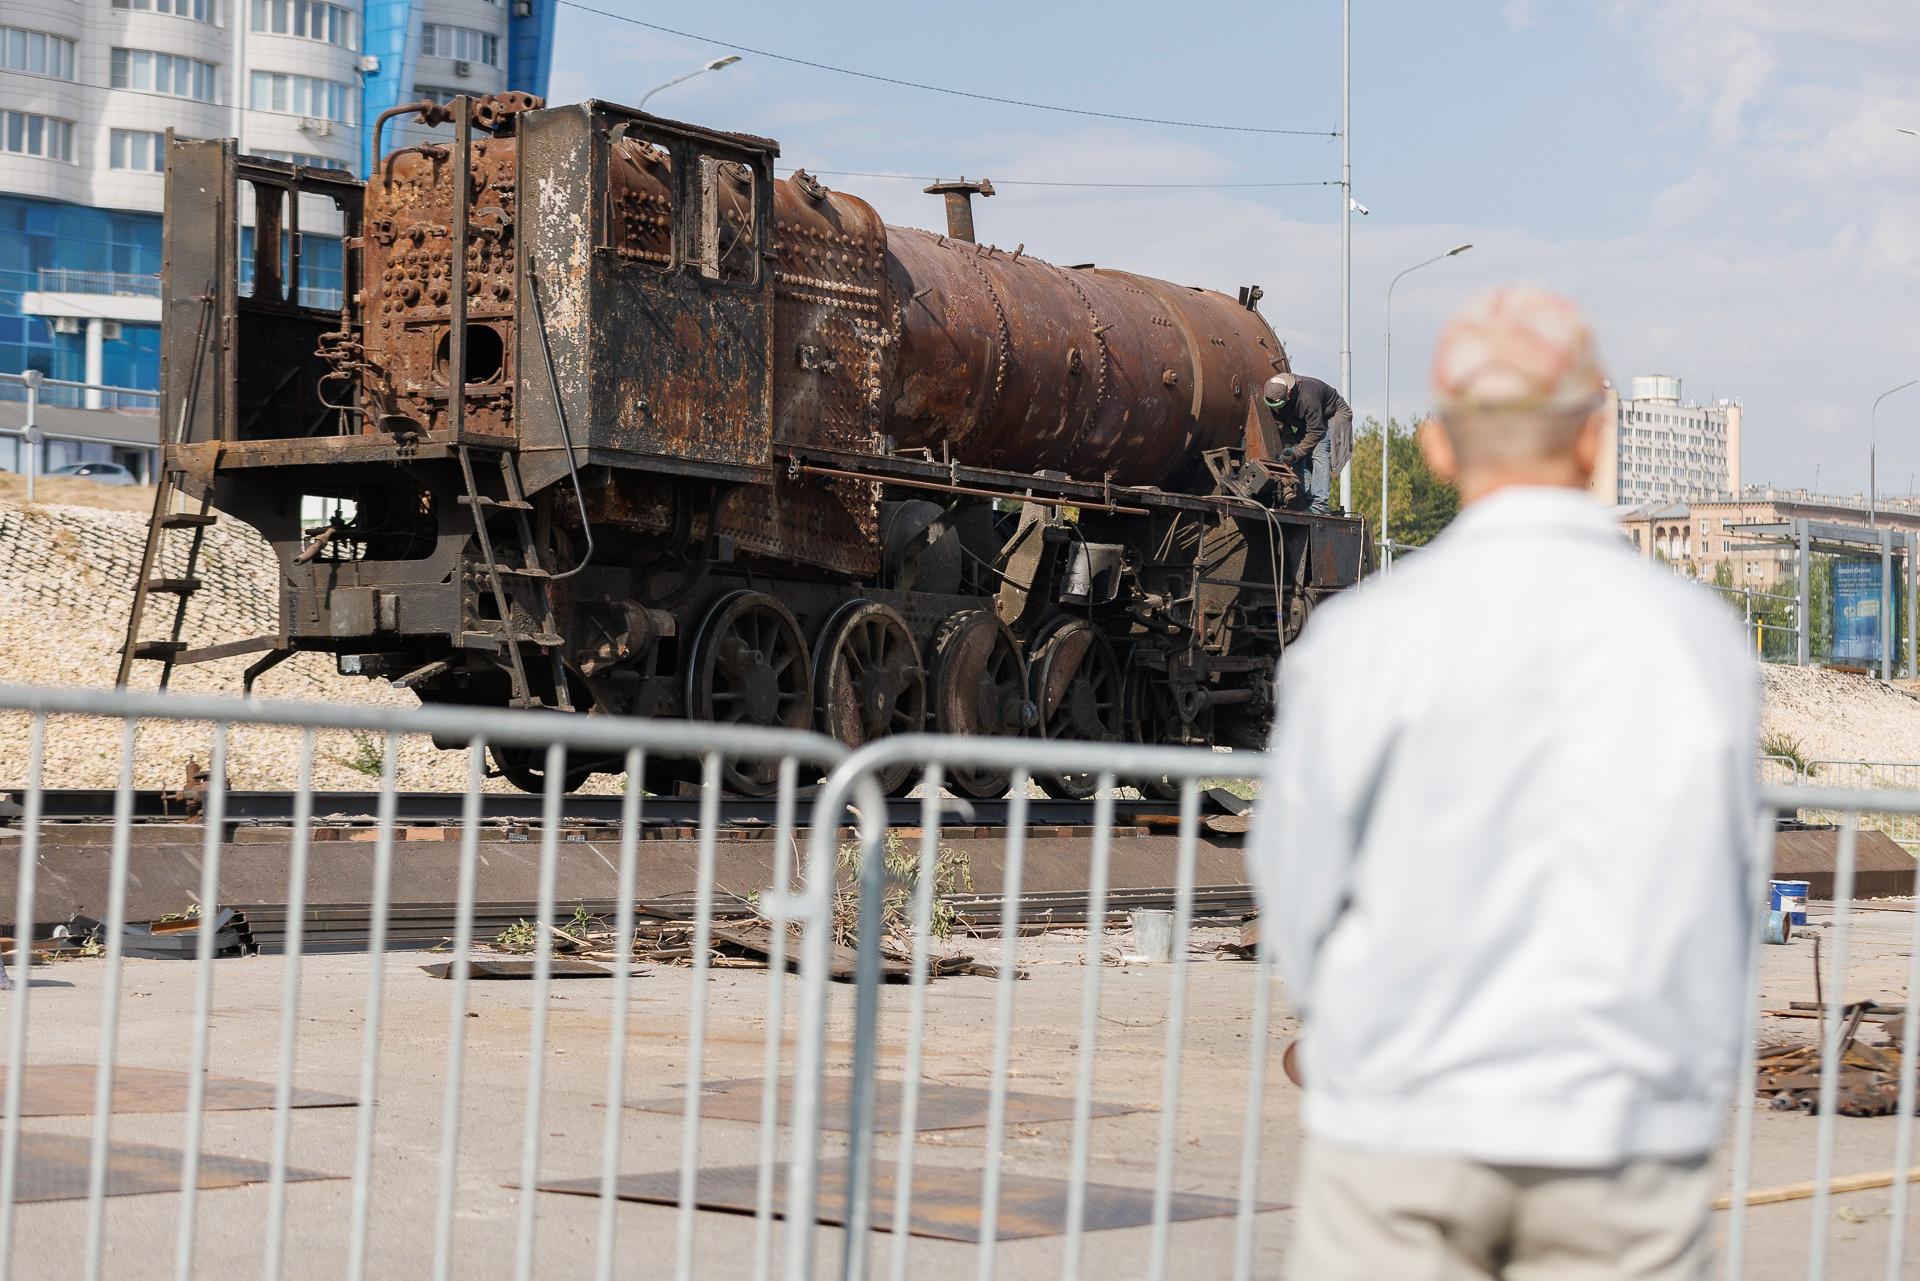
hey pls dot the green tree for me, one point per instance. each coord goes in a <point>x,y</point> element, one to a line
<point>1421,504</point>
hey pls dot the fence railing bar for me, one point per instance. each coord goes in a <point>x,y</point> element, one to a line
<point>464,895</point>
<point>697,1017</point>
<point>616,1093</point>
<point>1159,1242</point>
<point>783,868</point>
<point>916,1019</point>
<point>870,862</point>
<point>1099,873</point>
<point>23,961</point>
<point>275,1244</point>
<point>213,816</point>
<point>1011,877</point>
<point>115,927</point>
<point>1903,1123</point>
<point>1760,867</point>
<point>541,996</point>
<point>1259,1048</point>
<point>370,1035</point>
<point>1830,1046</point>
<point>814,907</point>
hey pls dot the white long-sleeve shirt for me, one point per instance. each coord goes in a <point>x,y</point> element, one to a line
<point>1504,845</point>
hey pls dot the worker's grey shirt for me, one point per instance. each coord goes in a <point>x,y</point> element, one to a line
<point>1505,844</point>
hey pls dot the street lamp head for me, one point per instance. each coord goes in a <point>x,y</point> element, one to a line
<point>1455,253</point>
<point>727,61</point>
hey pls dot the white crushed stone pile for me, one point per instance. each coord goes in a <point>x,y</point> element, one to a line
<point>1840,716</point>
<point>66,576</point>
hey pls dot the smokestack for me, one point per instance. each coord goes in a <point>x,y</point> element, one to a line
<point>960,205</point>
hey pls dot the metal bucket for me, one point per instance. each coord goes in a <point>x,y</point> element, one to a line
<point>1152,935</point>
<point>1779,927</point>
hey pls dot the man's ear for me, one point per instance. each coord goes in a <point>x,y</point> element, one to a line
<point>1438,451</point>
<point>1586,445</point>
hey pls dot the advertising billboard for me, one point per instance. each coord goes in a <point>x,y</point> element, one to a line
<point>1856,610</point>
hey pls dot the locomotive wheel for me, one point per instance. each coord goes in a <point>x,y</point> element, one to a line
<point>525,768</point>
<point>1076,686</point>
<point>750,668</point>
<point>868,680</point>
<point>1152,719</point>
<point>979,686</point>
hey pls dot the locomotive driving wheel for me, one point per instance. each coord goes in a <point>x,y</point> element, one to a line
<point>1152,719</point>
<point>979,686</point>
<point>868,680</point>
<point>1076,687</point>
<point>750,668</point>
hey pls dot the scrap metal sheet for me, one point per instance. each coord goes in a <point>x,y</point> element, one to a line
<point>66,1089</point>
<point>53,1167</point>
<point>941,1107</point>
<point>946,1200</point>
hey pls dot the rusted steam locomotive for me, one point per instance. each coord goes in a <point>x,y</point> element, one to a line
<point>626,425</point>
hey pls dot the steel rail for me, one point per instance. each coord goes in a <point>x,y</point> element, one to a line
<point>158,806</point>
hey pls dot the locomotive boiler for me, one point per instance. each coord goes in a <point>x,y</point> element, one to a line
<point>612,420</point>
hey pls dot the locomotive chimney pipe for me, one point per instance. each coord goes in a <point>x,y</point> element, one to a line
<point>960,205</point>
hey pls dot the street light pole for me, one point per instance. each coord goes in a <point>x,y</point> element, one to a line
<point>1386,405</point>
<point>716,65</point>
<point>1346,234</point>
<point>1873,448</point>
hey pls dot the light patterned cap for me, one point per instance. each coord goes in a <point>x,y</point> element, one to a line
<point>1517,347</point>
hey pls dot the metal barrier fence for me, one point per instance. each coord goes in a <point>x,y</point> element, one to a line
<point>1895,776</point>
<point>479,1123</point>
<point>1779,771</point>
<point>1868,1073</point>
<point>869,1186</point>
<point>421,1207</point>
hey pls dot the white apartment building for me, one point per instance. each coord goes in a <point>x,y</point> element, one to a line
<point>1659,448</point>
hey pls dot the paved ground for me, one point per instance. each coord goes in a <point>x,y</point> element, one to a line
<point>158,1001</point>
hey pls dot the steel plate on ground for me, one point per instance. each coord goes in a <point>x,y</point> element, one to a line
<point>487,967</point>
<point>53,1167</point>
<point>946,1200</point>
<point>941,1107</point>
<point>66,1089</point>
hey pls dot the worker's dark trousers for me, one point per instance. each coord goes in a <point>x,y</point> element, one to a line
<point>1320,475</point>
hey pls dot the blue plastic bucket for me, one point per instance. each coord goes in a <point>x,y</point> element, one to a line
<point>1789,897</point>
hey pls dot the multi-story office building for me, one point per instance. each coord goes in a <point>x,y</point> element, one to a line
<point>1660,449</point>
<point>88,89</point>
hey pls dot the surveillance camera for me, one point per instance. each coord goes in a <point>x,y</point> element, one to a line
<point>1357,207</point>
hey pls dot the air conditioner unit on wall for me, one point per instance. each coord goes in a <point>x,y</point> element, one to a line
<point>110,330</point>
<point>66,324</point>
<point>324,129</point>
<point>463,68</point>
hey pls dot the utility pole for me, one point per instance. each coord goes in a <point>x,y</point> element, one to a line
<point>1346,232</point>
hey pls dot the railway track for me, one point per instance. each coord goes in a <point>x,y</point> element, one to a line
<point>270,809</point>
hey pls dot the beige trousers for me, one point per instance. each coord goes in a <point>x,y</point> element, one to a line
<point>1365,1215</point>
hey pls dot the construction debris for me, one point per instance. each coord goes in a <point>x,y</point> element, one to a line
<point>1868,1084</point>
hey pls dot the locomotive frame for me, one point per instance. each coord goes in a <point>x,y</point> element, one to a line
<point>666,484</point>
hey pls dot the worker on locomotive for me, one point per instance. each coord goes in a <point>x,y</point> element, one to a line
<point>1315,427</point>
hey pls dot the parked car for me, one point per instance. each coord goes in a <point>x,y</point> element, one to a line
<point>105,473</point>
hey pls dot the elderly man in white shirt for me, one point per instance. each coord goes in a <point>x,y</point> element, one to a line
<point>1504,856</point>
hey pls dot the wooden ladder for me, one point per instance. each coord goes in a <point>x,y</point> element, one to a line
<point>547,631</point>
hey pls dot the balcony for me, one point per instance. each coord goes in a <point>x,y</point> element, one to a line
<point>119,284</point>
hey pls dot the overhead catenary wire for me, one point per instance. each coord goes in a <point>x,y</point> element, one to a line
<point>1045,182</point>
<point>946,89</point>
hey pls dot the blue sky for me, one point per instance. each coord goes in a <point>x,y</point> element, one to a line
<point>1720,182</point>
